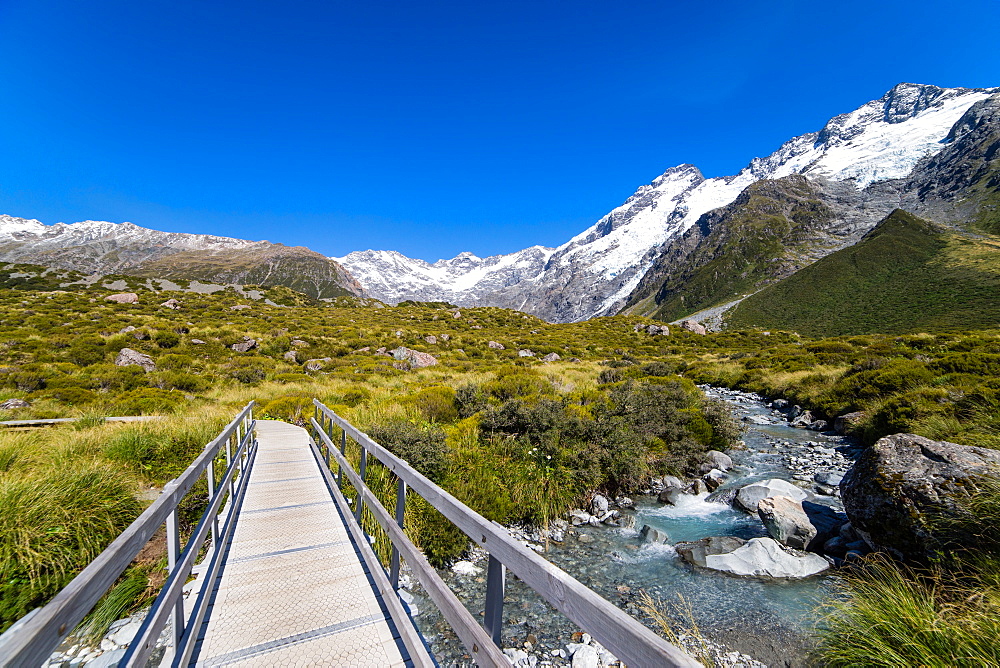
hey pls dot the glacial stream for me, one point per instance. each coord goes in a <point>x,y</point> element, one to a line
<point>769,620</point>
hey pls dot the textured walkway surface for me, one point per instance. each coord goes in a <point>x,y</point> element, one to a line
<point>294,591</point>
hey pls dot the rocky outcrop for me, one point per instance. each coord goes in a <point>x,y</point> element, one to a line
<point>897,487</point>
<point>129,357</point>
<point>245,345</point>
<point>693,326</point>
<point>415,358</point>
<point>123,298</point>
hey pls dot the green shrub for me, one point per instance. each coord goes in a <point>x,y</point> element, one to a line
<point>437,404</point>
<point>422,446</point>
<point>290,408</point>
<point>146,401</point>
<point>166,339</point>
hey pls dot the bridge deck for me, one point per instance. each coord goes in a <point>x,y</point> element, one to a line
<point>294,590</point>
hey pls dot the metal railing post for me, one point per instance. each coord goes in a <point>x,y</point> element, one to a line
<point>493,620</point>
<point>343,451</point>
<point>400,514</point>
<point>359,503</point>
<point>210,473</point>
<point>173,552</point>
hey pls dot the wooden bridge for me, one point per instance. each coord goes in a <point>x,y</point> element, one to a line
<point>288,576</point>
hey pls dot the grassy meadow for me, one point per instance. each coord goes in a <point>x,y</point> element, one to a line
<point>517,439</point>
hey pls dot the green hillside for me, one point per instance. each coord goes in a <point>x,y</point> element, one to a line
<point>772,229</point>
<point>906,275</point>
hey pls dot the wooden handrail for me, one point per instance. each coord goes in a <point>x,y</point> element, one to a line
<point>33,638</point>
<point>624,636</point>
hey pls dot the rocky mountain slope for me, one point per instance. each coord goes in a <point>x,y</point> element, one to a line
<point>97,247</point>
<point>596,272</point>
<point>769,232</point>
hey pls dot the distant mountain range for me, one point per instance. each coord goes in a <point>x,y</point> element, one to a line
<point>599,271</point>
<point>678,246</point>
<point>123,248</point>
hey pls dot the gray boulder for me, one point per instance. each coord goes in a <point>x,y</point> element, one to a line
<point>670,495</point>
<point>748,497</point>
<point>431,339</point>
<point>672,481</point>
<point>716,460</point>
<point>551,357</point>
<point>845,424</point>
<point>693,326</point>
<point>495,346</point>
<point>765,557</point>
<point>599,504</point>
<point>14,403</point>
<point>653,535</point>
<point>123,298</point>
<point>525,353</point>
<point>697,551</point>
<point>317,364</point>
<point>786,521</point>
<point>899,484</point>
<point>415,358</point>
<point>290,356</point>
<point>171,304</point>
<point>129,357</point>
<point>246,345</point>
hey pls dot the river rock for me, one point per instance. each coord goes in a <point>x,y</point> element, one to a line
<point>245,345</point>
<point>578,517</point>
<point>716,460</point>
<point>123,298</point>
<point>748,497</point>
<point>670,496</point>
<point>693,326</point>
<point>900,482</point>
<point>803,420</point>
<point>599,504</point>
<point>764,557</point>
<point>786,521</point>
<point>672,481</point>
<point>830,478</point>
<point>416,359</point>
<point>129,357</point>
<point>846,423</point>
<point>696,551</point>
<point>584,655</point>
<point>466,568</point>
<point>714,479</point>
<point>653,535</point>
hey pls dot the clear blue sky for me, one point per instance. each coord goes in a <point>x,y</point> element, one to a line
<point>431,127</point>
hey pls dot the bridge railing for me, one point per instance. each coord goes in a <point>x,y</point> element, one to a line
<point>33,638</point>
<point>627,638</point>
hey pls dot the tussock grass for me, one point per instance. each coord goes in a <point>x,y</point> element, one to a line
<point>894,616</point>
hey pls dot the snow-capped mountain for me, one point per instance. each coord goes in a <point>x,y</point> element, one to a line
<point>106,248</point>
<point>593,273</point>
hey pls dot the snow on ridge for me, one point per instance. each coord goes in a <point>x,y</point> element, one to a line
<point>91,230</point>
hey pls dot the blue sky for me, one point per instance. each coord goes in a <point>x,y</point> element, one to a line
<point>431,127</point>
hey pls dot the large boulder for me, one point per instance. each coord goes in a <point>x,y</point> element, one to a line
<point>495,345</point>
<point>245,345</point>
<point>748,497</point>
<point>716,460</point>
<point>765,557</point>
<point>123,298</point>
<point>897,486</point>
<point>551,357</point>
<point>786,521</point>
<point>415,358</point>
<point>129,357</point>
<point>693,326</point>
<point>848,422</point>
<point>697,551</point>
<point>650,534</point>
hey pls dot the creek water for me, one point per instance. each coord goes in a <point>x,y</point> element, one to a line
<point>770,620</point>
